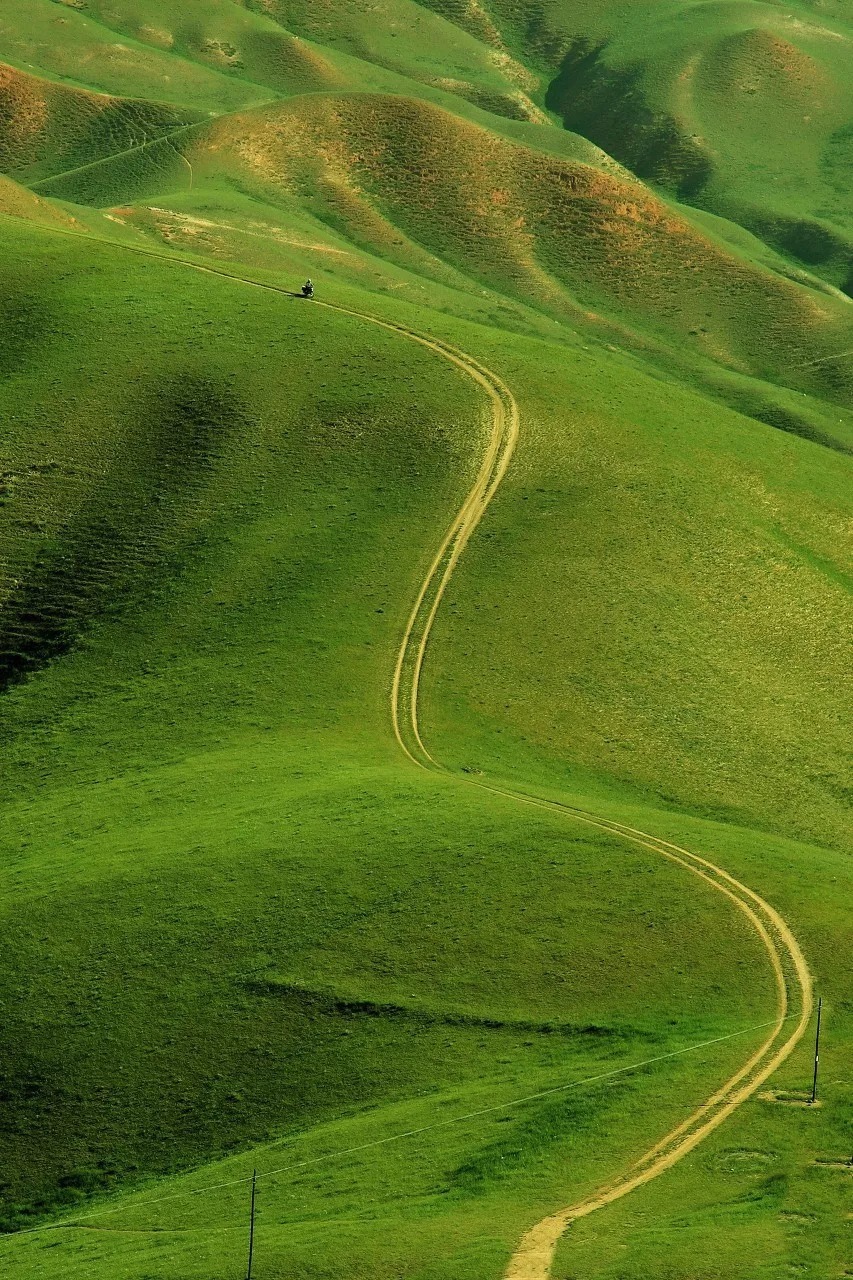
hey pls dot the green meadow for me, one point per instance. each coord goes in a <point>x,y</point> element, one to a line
<point>241,930</point>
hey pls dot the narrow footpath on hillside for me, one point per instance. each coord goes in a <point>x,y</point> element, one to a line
<point>794,1000</point>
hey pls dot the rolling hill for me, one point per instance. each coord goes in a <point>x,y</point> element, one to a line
<point>430,1006</point>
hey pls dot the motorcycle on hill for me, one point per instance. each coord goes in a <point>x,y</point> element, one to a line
<point>308,289</point>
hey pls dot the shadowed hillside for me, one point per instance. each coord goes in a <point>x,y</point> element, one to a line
<point>740,108</point>
<point>47,128</point>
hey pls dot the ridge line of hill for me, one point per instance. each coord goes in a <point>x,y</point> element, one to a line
<point>532,1259</point>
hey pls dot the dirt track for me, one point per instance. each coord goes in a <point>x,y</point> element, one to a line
<point>532,1259</point>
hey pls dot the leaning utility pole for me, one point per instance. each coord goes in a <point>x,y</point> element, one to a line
<point>816,1051</point>
<point>252,1226</point>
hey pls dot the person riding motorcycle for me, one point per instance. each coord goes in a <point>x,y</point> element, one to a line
<point>308,289</point>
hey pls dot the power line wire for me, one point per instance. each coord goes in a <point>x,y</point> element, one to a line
<point>399,1137</point>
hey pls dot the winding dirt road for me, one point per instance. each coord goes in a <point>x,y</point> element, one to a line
<point>532,1259</point>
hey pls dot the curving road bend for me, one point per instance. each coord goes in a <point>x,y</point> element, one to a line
<point>534,1254</point>
<point>794,1001</point>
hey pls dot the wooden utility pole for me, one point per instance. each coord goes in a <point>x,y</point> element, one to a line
<point>252,1226</point>
<point>816,1051</point>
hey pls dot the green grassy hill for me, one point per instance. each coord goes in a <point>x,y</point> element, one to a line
<point>48,128</point>
<point>740,108</point>
<point>241,929</point>
<point>413,183</point>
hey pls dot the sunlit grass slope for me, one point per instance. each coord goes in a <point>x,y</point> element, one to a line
<point>47,128</point>
<point>209,558</point>
<point>662,596</point>
<point>739,108</point>
<point>239,930</point>
<point>767,1192</point>
<point>19,202</point>
<point>579,242</point>
<point>227,38</point>
<point>60,40</point>
<point>226,53</point>
<point>231,542</point>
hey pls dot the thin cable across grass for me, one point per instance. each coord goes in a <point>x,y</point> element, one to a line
<point>408,1133</point>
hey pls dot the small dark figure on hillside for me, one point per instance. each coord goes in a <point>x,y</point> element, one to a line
<point>308,289</point>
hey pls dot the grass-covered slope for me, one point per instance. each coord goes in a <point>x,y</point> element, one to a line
<point>741,108</point>
<point>19,202</point>
<point>61,41</point>
<point>571,239</point>
<point>209,790</point>
<point>225,54</point>
<point>240,931</point>
<point>207,568</point>
<point>228,763</point>
<point>663,597</point>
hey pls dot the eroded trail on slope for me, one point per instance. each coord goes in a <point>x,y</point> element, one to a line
<point>532,1259</point>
